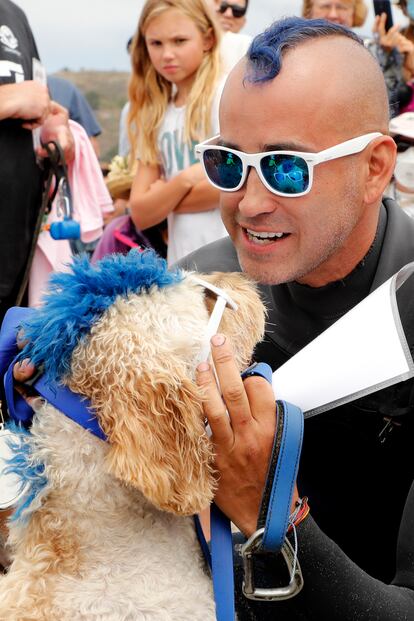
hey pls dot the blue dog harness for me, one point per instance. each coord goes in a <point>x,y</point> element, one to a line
<point>73,405</point>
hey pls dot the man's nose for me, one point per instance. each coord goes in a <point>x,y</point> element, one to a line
<point>257,199</point>
<point>228,12</point>
<point>333,13</point>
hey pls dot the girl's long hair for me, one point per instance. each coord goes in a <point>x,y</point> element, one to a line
<point>150,93</point>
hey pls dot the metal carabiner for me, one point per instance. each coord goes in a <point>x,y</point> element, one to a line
<point>64,207</point>
<point>248,550</point>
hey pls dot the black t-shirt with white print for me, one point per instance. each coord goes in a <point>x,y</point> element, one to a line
<point>20,176</point>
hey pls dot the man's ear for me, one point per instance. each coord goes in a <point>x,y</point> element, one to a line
<point>380,163</point>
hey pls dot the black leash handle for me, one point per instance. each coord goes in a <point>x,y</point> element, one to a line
<point>56,168</point>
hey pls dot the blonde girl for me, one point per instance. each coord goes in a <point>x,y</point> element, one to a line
<point>174,92</point>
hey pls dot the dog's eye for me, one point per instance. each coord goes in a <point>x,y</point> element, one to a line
<point>210,295</point>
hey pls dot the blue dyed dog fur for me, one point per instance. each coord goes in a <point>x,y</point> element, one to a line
<point>24,467</point>
<point>77,299</point>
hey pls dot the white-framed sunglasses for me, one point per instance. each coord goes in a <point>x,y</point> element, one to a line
<point>285,173</point>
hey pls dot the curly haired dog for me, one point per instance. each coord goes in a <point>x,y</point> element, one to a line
<point>104,531</point>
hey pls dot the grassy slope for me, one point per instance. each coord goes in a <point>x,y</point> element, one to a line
<point>106,92</point>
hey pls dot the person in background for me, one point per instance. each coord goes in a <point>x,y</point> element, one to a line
<point>407,7</point>
<point>174,93</point>
<point>318,237</point>
<point>119,181</point>
<point>68,95</point>
<point>350,13</point>
<point>393,51</point>
<point>232,14</point>
<point>232,18</point>
<point>25,110</point>
<point>123,141</point>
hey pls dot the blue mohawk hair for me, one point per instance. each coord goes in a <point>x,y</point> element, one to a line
<point>77,299</point>
<point>266,50</point>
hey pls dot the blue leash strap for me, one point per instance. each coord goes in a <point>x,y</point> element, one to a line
<point>273,519</point>
<point>283,471</point>
<point>222,565</point>
<point>273,522</point>
<point>283,467</point>
<point>220,561</point>
<point>12,321</point>
<point>202,541</point>
<point>73,405</point>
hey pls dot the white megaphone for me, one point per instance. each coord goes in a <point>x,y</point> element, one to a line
<point>364,351</point>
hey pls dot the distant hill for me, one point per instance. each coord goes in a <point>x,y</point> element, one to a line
<point>106,91</point>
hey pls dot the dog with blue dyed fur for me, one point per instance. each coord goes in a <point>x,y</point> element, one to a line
<point>104,530</point>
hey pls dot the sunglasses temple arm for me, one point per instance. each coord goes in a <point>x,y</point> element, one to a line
<point>349,148</point>
<point>212,328</point>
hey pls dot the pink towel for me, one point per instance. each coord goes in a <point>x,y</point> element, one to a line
<point>91,200</point>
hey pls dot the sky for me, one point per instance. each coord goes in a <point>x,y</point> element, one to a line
<point>92,34</point>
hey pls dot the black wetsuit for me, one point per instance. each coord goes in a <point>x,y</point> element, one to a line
<point>356,549</point>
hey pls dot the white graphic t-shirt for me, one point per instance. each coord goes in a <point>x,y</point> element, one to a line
<point>186,232</point>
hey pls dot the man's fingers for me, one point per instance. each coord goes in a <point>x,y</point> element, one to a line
<point>231,384</point>
<point>23,370</point>
<point>261,398</point>
<point>214,408</point>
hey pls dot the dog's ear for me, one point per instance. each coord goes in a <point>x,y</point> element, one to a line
<point>158,444</point>
<point>245,326</point>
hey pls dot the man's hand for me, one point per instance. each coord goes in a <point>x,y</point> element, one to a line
<point>27,100</point>
<point>23,371</point>
<point>243,439</point>
<point>56,127</point>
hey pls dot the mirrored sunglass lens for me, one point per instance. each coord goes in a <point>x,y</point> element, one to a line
<point>286,173</point>
<point>223,168</point>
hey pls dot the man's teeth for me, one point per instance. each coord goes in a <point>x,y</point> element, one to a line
<point>262,237</point>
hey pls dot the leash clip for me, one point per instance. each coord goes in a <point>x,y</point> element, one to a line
<point>250,591</point>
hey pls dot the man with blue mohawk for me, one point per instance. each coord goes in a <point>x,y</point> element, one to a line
<point>302,161</point>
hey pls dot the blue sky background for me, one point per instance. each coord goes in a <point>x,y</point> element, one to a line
<point>92,34</point>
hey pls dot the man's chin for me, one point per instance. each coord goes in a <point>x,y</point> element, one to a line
<point>263,272</point>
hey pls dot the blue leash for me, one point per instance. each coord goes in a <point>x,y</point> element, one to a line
<point>271,538</point>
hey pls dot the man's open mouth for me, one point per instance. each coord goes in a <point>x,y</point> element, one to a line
<point>264,237</point>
